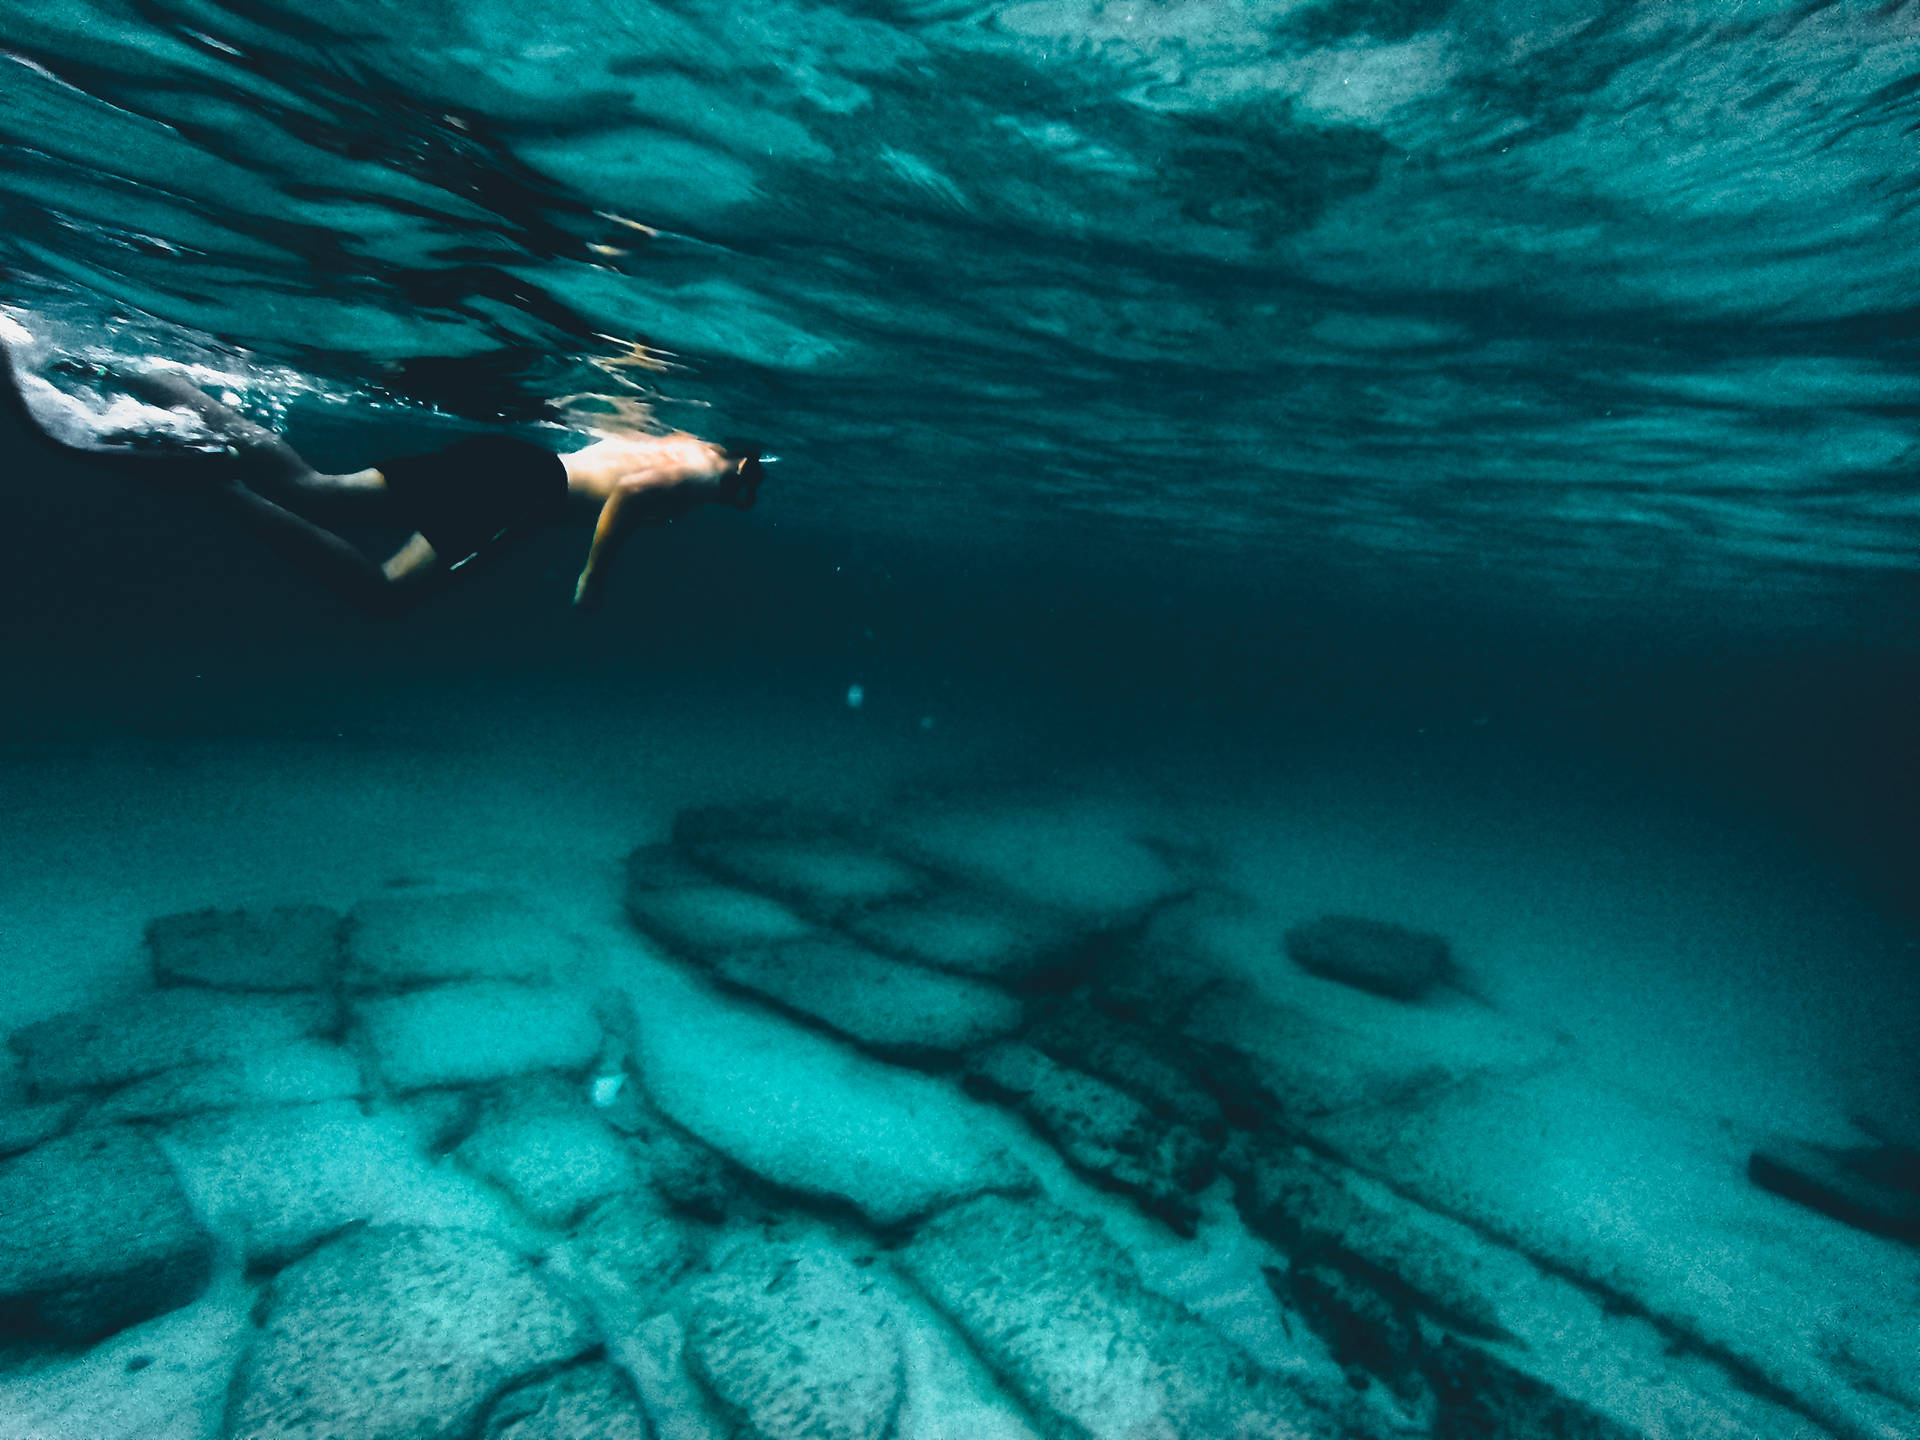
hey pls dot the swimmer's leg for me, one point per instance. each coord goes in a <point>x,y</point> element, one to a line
<point>268,459</point>
<point>268,463</point>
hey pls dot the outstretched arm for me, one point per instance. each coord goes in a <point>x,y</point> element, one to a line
<point>608,533</point>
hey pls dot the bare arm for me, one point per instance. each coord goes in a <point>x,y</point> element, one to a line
<point>608,533</point>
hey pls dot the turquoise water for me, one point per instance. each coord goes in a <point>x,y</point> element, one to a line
<point>1238,464</point>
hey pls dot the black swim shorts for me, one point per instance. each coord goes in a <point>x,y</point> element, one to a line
<point>468,496</point>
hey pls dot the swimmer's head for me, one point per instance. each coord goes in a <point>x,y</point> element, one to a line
<point>740,486</point>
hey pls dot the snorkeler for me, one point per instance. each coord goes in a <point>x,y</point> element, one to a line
<point>463,503</point>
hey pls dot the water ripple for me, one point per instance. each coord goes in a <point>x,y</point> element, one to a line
<point>1578,292</point>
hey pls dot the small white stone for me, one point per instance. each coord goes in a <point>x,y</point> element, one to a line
<point>606,1089</point>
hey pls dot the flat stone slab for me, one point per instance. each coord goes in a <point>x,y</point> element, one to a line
<point>970,934</point>
<point>1057,1310</point>
<point>825,875</point>
<point>303,1073</point>
<point>95,1235</point>
<point>685,1173</point>
<point>710,920</point>
<point>1317,1209</point>
<point>287,1177</point>
<point>163,1379</point>
<point>1147,1064</point>
<point>290,947</point>
<point>632,1253</point>
<point>1101,1130</point>
<point>1373,955</point>
<point>400,1335</point>
<point>883,1004</point>
<point>1648,1202</point>
<point>144,1034</point>
<point>595,1401</point>
<point>1873,1188</point>
<point>811,1115</point>
<point>549,1151</point>
<point>24,1126</point>
<point>789,1336</point>
<point>399,942</point>
<point>474,1033</point>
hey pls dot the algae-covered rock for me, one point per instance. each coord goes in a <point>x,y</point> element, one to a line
<point>811,1115</point>
<point>595,1401</point>
<point>474,1033</point>
<point>827,875</point>
<point>787,1334</point>
<point>633,1251</point>
<point>95,1235</point>
<point>549,1151</point>
<point>142,1035</point>
<point>885,1005</point>
<point>400,941</point>
<point>303,1073</point>
<point>1374,955</point>
<point>1055,1307</point>
<point>710,920</point>
<point>1101,1130</point>
<point>1874,1188</point>
<point>283,1178</point>
<point>400,1335</point>
<point>290,947</point>
<point>971,934</point>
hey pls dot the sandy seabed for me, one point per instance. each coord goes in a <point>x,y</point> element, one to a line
<point>1530,1181</point>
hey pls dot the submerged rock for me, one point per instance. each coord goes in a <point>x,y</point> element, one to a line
<point>1101,1130</point>
<point>474,1033</point>
<point>883,1004</point>
<point>595,1401</point>
<point>304,1073</point>
<point>788,1335</point>
<point>808,1114</point>
<point>1056,1309</point>
<point>1874,1188</point>
<point>399,942</point>
<point>549,1151</point>
<point>826,875</point>
<point>705,921</point>
<point>971,934</point>
<point>24,1126</point>
<point>1148,1064</point>
<point>1481,1395</point>
<point>1365,1329</point>
<point>290,947</point>
<point>95,1235</point>
<point>682,1171</point>
<point>1317,1211</point>
<point>144,1034</point>
<point>400,1335</point>
<point>1373,955</point>
<point>284,1179</point>
<point>633,1253</point>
